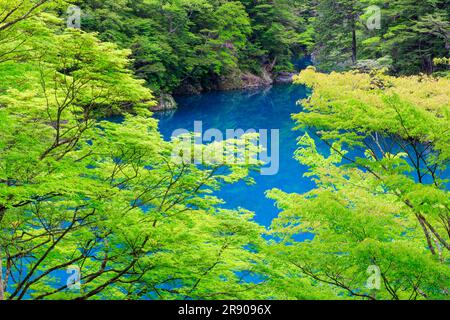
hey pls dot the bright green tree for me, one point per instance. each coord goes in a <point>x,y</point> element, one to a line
<point>107,198</point>
<point>380,212</point>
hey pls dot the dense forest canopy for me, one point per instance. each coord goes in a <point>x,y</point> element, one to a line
<point>186,45</point>
<point>76,189</point>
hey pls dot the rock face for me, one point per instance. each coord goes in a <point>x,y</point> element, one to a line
<point>234,80</point>
<point>285,77</point>
<point>166,102</point>
<point>188,89</point>
<point>253,81</point>
<point>368,65</point>
<point>238,80</point>
<point>230,81</point>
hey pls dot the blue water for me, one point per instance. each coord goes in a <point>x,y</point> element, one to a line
<point>269,108</point>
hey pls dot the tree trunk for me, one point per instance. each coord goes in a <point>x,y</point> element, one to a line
<point>2,212</point>
<point>354,48</point>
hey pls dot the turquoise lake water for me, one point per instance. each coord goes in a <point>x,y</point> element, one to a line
<point>268,108</point>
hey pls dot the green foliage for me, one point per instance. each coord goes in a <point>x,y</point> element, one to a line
<point>388,210</point>
<point>106,197</point>
<point>335,32</point>
<point>416,33</point>
<point>111,197</point>
<point>184,42</point>
<point>411,34</point>
<point>195,42</point>
<point>279,28</point>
